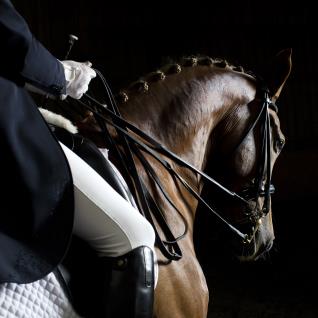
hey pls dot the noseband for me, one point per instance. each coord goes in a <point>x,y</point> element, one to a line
<point>250,197</point>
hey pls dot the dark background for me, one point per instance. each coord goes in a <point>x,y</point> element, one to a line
<point>126,41</point>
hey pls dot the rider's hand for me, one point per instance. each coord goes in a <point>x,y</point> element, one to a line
<point>77,75</point>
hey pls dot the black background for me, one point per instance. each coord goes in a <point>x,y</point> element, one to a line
<point>126,41</point>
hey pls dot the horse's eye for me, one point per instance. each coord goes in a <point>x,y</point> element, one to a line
<point>280,144</point>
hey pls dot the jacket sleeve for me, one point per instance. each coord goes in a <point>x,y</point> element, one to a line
<point>24,59</point>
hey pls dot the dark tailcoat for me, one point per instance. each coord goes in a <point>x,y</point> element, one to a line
<point>36,212</point>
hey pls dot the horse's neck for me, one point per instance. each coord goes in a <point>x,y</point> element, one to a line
<point>182,111</point>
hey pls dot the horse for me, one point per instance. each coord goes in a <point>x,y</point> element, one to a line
<point>208,113</point>
<point>219,127</point>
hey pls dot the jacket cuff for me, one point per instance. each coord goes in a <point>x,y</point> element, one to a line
<point>43,70</point>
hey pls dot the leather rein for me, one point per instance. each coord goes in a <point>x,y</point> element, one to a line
<point>130,146</point>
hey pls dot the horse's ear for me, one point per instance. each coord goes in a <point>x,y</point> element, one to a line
<point>278,72</point>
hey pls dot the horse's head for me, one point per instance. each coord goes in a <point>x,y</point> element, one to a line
<point>245,146</point>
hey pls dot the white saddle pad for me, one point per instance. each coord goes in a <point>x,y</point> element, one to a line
<point>44,298</point>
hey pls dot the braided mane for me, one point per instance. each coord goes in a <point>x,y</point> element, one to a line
<point>142,85</point>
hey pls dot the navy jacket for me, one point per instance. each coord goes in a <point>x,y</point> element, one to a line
<point>36,207</point>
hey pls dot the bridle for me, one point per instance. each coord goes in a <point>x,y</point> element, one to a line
<point>261,186</point>
<point>131,146</point>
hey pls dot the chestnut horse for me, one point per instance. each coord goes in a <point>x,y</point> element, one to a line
<point>210,114</point>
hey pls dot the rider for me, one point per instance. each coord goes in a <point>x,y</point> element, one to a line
<point>49,192</point>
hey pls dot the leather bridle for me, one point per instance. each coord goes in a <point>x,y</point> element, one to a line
<point>131,147</point>
<point>261,186</point>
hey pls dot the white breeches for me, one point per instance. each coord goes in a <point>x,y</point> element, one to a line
<point>104,219</point>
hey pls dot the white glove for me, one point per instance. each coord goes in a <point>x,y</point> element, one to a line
<point>77,75</point>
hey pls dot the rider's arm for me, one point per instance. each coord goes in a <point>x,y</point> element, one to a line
<point>24,59</point>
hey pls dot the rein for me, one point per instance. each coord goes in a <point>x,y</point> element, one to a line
<point>131,145</point>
